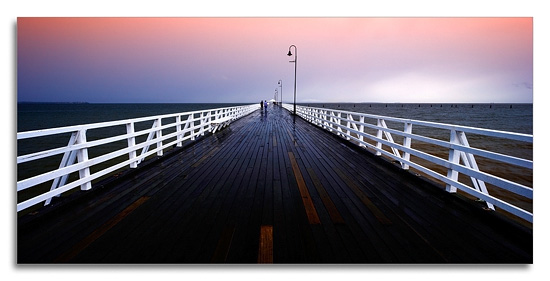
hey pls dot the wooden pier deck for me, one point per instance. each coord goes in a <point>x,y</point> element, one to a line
<point>269,189</point>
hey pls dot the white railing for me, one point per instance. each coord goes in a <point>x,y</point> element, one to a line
<point>369,131</point>
<point>166,131</point>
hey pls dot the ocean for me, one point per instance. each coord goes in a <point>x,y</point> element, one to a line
<point>506,117</point>
<point>35,116</point>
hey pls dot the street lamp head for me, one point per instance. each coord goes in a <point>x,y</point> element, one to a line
<point>289,53</point>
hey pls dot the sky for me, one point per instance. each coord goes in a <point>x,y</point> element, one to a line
<point>241,59</point>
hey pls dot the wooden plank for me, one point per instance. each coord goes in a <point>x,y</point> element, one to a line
<point>204,157</point>
<point>169,215</point>
<point>385,234</point>
<point>387,184</point>
<point>225,197</point>
<point>338,252</point>
<point>265,249</point>
<point>222,249</point>
<point>414,244</point>
<point>329,205</point>
<point>306,198</point>
<point>246,235</point>
<point>207,210</point>
<point>379,236</point>
<point>375,211</point>
<point>75,250</point>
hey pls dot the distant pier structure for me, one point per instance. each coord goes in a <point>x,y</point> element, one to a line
<point>242,185</point>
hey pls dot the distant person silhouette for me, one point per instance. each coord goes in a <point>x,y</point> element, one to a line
<point>262,104</point>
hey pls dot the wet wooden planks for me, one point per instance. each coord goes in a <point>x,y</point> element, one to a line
<point>272,188</point>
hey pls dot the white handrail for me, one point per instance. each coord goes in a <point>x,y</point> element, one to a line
<point>167,131</point>
<point>351,126</point>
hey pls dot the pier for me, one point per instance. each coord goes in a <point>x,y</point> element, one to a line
<point>271,187</point>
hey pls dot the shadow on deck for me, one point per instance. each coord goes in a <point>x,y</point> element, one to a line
<point>269,189</point>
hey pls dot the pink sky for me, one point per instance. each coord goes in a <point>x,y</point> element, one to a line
<point>241,59</point>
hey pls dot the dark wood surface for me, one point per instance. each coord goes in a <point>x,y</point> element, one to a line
<point>270,188</point>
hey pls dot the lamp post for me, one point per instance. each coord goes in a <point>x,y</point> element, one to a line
<point>276,94</point>
<point>280,83</point>
<point>295,61</point>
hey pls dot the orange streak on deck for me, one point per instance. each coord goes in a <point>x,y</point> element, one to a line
<point>329,205</point>
<point>364,198</point>
<point>79,247</point>
<point>306,198</point>
<point>265,251</point>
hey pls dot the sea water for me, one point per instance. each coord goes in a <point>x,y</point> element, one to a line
<point>506,117</point>
<point>35,116</point>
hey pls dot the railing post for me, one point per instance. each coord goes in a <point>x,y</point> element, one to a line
<point>469,161</point>
<point>339,122</point>
<point>159,137</point>
<point>454,158</point>
<point>207,120</point>
<point>333,120</point>
<point>407,144</point>
<point>318,121</point>
<point>190,125</point>
<point>202,124</point>
<point>131,143</point>
<point>68,159</point>
<point>319,118</point>
<point>379,136</point>
<point>362,130</point>
<point>348,125</point>
<point>179,135</point>
<point>82,156</point>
